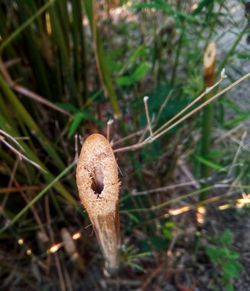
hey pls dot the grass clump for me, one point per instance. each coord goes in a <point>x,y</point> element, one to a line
<point>69,69</point>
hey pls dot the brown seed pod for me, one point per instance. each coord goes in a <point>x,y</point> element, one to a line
<point>98,186</point>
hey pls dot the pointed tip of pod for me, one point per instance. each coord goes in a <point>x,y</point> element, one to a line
<point>96,138</point>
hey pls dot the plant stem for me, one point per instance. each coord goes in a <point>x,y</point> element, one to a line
<point>59,40</point>
<point>101,62</point>
<point>207,118</point>
<point>25,24</point>
<point>177,57</point>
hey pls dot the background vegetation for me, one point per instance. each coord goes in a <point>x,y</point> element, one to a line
<point>66,68</point>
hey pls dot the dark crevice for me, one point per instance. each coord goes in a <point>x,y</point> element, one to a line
<point>97,181</point>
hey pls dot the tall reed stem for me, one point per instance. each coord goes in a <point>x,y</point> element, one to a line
<point>101,61</point>
<point>207,118</point>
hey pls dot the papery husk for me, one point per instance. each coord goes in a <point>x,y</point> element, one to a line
<point>97,168</point>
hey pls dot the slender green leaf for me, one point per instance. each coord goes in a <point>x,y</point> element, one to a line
<point>25,24</point>
<point>38,196</point>
<point>210,164</point>
<point>141,71</point>
<point>77,120</point>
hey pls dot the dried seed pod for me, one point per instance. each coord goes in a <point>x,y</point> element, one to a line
<point>98,186</point>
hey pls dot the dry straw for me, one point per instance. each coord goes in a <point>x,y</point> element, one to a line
<point>98,186</point>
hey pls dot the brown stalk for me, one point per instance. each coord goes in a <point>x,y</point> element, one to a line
<point>209,61</point>
<point>98,186</point>
<point>18,189</point>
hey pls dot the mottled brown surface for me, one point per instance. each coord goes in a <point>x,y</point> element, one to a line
<point>98,186</point>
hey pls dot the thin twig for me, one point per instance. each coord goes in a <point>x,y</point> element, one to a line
<point>145,100</point>
<point>155,137</point>
<point>225,134</point>
<point>28,93</point>
<point>163,189</point>
<point>109,125</point>
<point>188,173</point>
<point>19,188</point>
<point>20,155</point>
<point>143,135</point>
<point>134,134</point>
<point>11,138</point>
<point>202,106</point>
<point>203,94</point>
<point>244,135</point>
<point>164,105</point>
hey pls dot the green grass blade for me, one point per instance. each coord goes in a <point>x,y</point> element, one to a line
<point>38,196</point>
<point>23,115</point>
<point>101,60</point>
<point>10,38</point>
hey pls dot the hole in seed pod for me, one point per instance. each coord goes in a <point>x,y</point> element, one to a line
<point>97,181</point>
